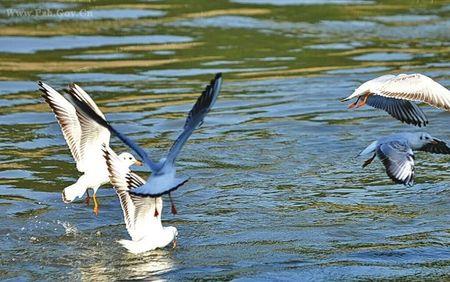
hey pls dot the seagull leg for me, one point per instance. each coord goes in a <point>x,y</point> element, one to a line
<point>352,105</point>
<point>369,161</point>
<point>363,102</point>
<point>174,242</point>
<point>174,209</point>
<point>88,198</point>
<point>156,210</point>
<point>96,206</point>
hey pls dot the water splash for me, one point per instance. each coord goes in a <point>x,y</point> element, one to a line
<point>68,228</point>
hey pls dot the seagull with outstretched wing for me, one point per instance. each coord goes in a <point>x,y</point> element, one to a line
<point>142,215</point>
<point>396,153</point>
<point>85,139</point>
<point>163,179</point>
<point>397,94</point>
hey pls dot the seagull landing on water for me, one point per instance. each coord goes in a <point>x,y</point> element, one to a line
<point>394,94</point>
<point>85,139</point>
<point>396,153</point>
<point>163,179</point>
<point>142,215</point>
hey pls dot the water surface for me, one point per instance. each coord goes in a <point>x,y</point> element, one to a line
<point>276,191</point>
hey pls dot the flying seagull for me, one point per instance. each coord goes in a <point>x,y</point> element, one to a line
<point>163,179</point>
<point>142,215</point>
<point>84,138</point>
<point>395,95</point>
<point>396,153</point>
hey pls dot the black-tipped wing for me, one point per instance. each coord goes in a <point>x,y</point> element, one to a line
<point>74,89</point>
<point>66,115</point>
<point>88,112</point>
<point>403,110</point>
<point>138,212</point>
<point>196,115</point>
<point>93,136</point>
<point>439,147</point>
<point>398,159</point>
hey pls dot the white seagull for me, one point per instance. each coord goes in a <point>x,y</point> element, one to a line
<point>85,139</point>
<point>396,153</point>
<point>142,215</point>
<point>395,94</point>
<point>163,179</point>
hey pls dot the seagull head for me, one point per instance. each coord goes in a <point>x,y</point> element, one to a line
<point>129,159</point>
<point>421,139</point>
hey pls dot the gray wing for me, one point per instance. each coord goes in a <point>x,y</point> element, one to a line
<point>398,159</point>
<point>196,116</point>
<point>438,147</point>
<point>403,110</point>
<point>138,212</point>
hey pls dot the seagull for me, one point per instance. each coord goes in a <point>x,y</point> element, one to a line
<point>84,138</point>
<point>142,215</point>
<point>395,95</point>
<point>396,153</point>
<point>163,179</point>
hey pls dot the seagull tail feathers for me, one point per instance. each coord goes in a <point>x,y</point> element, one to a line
<point>370,149</point>
<point>70,193</point>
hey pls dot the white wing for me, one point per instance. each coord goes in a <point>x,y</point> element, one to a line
<point>93,136</point>
<point>416,87</point>
<point>138,212</point>
<point>367,86</point>
<point>67,118</point>
<point>83,95</point>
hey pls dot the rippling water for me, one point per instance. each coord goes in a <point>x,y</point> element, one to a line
<point>276,191</point>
